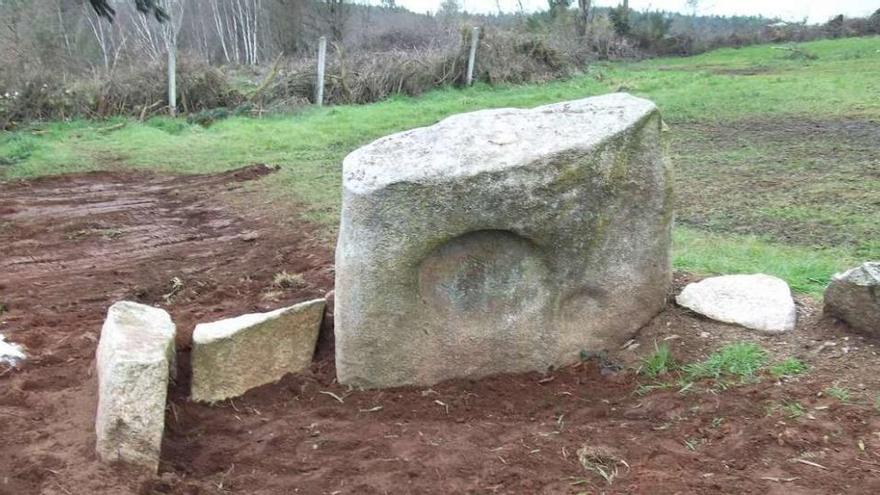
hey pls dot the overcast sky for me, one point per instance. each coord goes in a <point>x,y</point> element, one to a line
<point>793,10</point>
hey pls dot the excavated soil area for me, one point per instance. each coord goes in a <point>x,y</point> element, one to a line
<point>207,247</point>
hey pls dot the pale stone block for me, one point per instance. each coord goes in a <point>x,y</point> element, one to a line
<point>759,302</point>
<point>232,356</point>
<point>134,360</point>
<point>501,241</point>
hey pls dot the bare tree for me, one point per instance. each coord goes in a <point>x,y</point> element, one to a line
<point>103,9</point>
<point>583,16</point>
<point>238,25</point>
<point>111,40</point>
<point>336,13</point>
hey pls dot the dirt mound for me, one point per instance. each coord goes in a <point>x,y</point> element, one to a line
<point>72,245</point>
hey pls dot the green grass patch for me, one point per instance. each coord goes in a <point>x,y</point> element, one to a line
<point>740,360</point>
<point>775,157</point>
<point>170,125</point>
<point>16,148</point>
<point>807,270</point>
<point>789,367</point>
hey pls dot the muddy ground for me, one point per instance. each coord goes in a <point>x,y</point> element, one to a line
<point>206,247</point>
<point>803,181</point>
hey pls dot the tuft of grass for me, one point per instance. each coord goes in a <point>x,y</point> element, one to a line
<point>176,286</point>
<point>740,359</point>
<point>790,367</point>
<point>601,461</point>
<point>837,392</point>
<point>793,409</point>
<point>692,443</point>
<point>272,295</point>
<point>286,280</point>
<point>658,363</point>
<point>110,234</point>
<point>646,389</point>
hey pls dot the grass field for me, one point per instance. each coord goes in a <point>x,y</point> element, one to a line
<point>777,154</point>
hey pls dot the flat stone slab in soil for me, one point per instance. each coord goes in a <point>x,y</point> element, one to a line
<point>760,302</point>
<point>854,297</point>
<point>501,241</point>
<point>232,356</point>
<point>134,359</point>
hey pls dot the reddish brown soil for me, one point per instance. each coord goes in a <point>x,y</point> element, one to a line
<point>72,245</point>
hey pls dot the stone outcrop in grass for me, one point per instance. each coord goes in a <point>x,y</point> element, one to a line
<point>501,241</point>
<point>232,356</point>
<point>854,297</point>
<point>134,360</point>
<point>760,302</point>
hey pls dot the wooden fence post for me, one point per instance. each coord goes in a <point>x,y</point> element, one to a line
<point>473,55</point>
<point>172,77</point>
<point>322,58</point>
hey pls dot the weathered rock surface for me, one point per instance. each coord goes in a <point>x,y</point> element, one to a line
<point>134,358</point>
<point>759,301</point>
<point>501,241</point>
<point>232,356</point>
<point>854,297</point>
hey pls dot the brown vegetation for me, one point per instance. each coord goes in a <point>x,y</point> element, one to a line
<point>60,60</point>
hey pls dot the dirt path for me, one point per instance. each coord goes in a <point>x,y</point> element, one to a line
<point>73,245</point>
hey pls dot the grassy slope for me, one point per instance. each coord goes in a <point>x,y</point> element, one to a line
<point>699,96</point>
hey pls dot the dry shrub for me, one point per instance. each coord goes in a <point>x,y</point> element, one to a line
<point>137,91</point>
<point>503,57</point>
<point>40,97</point>
<point>364,77</point>
<point>507,57</point>
<point>199,87</point>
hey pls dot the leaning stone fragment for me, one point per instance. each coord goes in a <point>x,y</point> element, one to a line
<point>759,302</point>
<point>501,241</point>
<point>854,297</point>
<point>232,356</point>
<point>134,358</point>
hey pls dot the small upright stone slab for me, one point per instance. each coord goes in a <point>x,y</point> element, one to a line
<point>854,297</point>
<point>232,356</point>
<point>501,241</point>
<point>758,301</point>
<point>134,360</point>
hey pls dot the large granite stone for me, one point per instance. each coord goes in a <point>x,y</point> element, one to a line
<point>134,360</point>
<point>759,302</point>
<point>501,241</point>
<point>854,297</point>
<point>232,356</point>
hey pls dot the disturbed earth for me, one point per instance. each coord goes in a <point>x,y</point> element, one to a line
<point>208,247</point>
